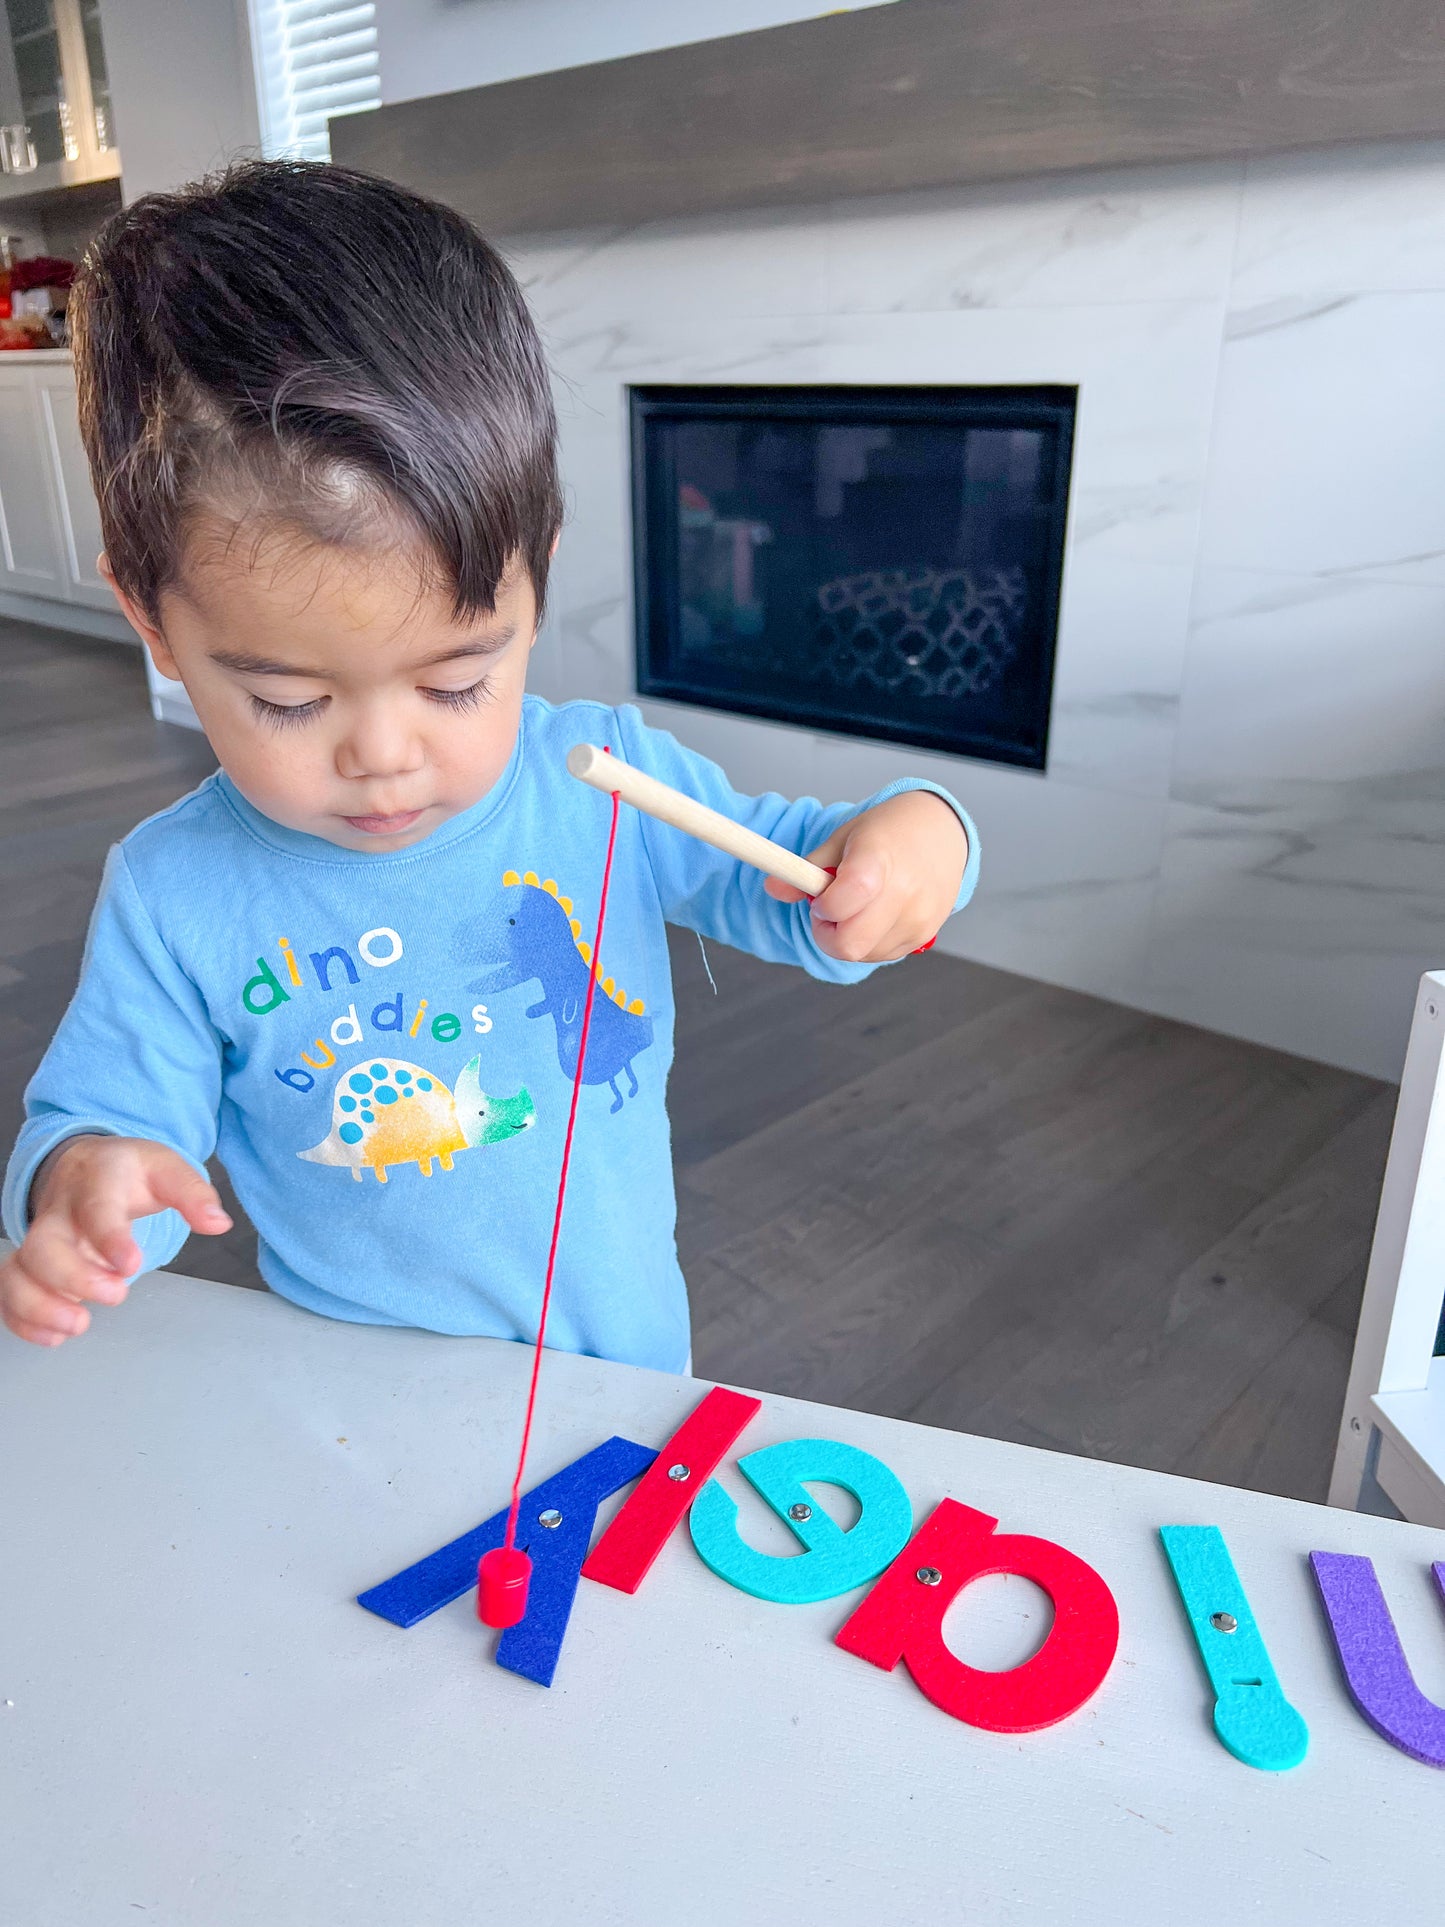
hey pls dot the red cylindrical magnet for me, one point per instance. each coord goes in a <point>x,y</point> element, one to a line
<point>502,1580</point>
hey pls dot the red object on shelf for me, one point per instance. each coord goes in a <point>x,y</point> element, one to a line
<point>503,1577</point>
<point>41,271</point>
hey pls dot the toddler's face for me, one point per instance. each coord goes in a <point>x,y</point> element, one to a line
<point>339,692</point>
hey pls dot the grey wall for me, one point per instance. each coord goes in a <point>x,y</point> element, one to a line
<point>438,46</point>
<point>182,84</point>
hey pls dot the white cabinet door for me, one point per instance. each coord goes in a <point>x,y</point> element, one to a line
<point>32,553</point>
<point>75,499</point>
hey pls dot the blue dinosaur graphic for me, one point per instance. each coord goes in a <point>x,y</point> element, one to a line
<point>530,934</point>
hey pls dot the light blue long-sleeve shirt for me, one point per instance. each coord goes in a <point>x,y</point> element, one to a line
<point>381,1046</point>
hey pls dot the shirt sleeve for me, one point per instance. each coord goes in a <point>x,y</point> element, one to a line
<point>136,1055</point>
<point>704,890</point>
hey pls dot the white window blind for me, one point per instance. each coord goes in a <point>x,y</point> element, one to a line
<point>314,59</point>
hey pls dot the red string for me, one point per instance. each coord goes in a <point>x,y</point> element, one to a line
<point>562,1180</point>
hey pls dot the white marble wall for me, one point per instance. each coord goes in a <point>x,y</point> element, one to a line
<point>1242,820</point>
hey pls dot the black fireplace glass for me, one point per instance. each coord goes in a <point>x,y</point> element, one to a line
<point>883,562</point>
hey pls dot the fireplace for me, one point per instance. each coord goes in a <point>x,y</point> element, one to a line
<point>883,562</point>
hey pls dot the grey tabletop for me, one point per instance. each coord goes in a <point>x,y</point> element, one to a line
<point>198,1725</point>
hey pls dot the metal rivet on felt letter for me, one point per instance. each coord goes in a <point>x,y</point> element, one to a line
<point>532,1646</point>
<point>1252,1717</point>
<point>835,1560</point>
<point>903,1619</point>
<point>626,1550</point>
<point>1376,1669</point>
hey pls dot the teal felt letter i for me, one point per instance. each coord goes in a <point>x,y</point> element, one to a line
<point>1252,1717</point>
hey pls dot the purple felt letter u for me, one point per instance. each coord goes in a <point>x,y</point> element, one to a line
<point>1376,1669</point>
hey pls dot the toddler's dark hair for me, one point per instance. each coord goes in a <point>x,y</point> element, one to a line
<point>322,349</point>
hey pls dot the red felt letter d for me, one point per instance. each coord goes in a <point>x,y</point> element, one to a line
<point>902,1618</point>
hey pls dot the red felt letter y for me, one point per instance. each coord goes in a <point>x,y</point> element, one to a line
<point>626,1550</point>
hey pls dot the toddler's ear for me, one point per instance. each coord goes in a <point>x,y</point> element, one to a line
<point>150,635</point>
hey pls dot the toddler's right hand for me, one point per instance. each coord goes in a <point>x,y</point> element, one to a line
<point>84,1200</point>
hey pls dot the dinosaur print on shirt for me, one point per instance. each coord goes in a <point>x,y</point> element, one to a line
<point>530,935</point>
<point>386,1112</point>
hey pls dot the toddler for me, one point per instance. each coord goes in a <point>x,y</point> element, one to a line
<point>352,962</point>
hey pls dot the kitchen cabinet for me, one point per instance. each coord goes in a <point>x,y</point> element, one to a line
<point>49,519</point>
<point>81,540</point>
<point>31,559</point>
<point>57,127</point>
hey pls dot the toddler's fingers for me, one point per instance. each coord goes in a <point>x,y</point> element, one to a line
<point>862,939</point>
<point>32,1334</point>
<point>909,931</point>
<point>35,1306</point>
<point>104,1225</point>
<point>827,856</point>
<point>174,1185</point>
<point>55,1259</point>
<point>854,890</point>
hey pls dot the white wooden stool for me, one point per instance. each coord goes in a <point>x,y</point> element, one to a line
<point>1393,1425</point>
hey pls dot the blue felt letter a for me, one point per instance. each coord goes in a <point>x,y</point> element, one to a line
<point>554,1526</point>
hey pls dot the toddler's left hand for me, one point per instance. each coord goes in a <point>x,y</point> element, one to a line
<point>899,867</point>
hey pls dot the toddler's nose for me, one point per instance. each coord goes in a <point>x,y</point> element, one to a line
<point>377,745</point>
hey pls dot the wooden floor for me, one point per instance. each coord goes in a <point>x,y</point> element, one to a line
<point>949,1195</point>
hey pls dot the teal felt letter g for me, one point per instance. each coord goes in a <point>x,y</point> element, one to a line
<point>834,1560</point>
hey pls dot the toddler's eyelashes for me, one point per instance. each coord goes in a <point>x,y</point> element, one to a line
<point>289,715</point>
<point>467,698</point>
<point>286,715</point>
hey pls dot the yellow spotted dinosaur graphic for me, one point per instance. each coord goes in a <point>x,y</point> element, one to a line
<point>386,1111</point>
